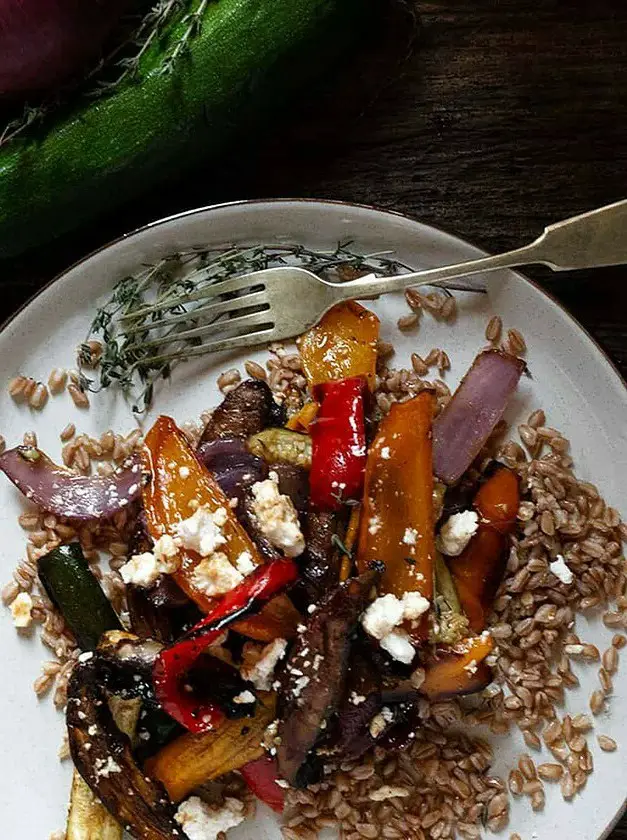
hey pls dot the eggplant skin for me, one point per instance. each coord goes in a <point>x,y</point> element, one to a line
<point>245,411</point>
<point>103,757</point>
<point>325,645</point>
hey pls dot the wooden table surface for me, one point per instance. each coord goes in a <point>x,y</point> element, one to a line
<point>508,115</point>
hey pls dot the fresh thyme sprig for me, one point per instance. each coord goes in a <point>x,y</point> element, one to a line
<point>125,361</point>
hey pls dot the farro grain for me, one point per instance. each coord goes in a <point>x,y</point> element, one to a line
<point>449,308</point>
<point>618,641</point>
<point>550,772</point>
<point>612,619</point>
<point>57,380</point>
<point>493,329</point>
<point>39,396</point>
<point>516,341</point>
<point>408,322</point>
<point>384,350</point>
<point>532,740</point>
<point>567,786</point>
<point>577,743</point>
<point>413,298</point>
<point>597,702</point>
<point>606,681</point>
<point>527,767</point>
<point>79,397</point>
<point>591,653</point>
<point>606,743</point>
<point>443,362</point>
<point>610,660</point>
<point>432,357</point>
<point>418,364</point>
<point>29,439</point>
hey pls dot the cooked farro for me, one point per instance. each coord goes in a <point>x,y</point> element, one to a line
<point>493,329</point>
<point>606,743</point>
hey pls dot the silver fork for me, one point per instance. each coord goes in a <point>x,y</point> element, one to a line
<point>280,303</point>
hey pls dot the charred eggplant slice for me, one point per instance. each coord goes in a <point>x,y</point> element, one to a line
<point>245,411</point>
<point>102,755</point>
<point>320,563</point>
<point>312,692</point>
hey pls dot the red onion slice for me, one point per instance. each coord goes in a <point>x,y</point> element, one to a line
<point>78,497</point>
<point>476,407</point>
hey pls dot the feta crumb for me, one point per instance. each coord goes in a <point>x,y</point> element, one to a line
<point>282,784</point>
<point>311,609</point>
<point>561,570</point>
<point>261,672</point>
<point>387,612</point>
<point>299,685</point>
<point>374,525</point>
<point>244,563</point>
<point>144,569</point>
<point>215,575</point>
<point>471,667</point>
<point>398,645</point>
<point>184,472</point>
<point>410,536</point>
<point>277,517</point>
<point>21,610</point>
<point>382,616</point>
<point>200,821</point>
<point>357,699</point>
<point>457,532</point>
<point>385,453</point>
<point>202,532</point>
<point>244,698</point>
<point>414,605</point>
<point>105,768</point>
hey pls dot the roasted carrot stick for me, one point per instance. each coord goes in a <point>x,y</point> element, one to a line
<point>397,519</point>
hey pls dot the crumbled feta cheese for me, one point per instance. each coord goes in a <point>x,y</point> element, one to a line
<point>414,605</point>
<point>457,532</point>
<point>166,549</point>
<point>382,616</point>
<point>202,532</point>
<point>244,698</point>
<point>388,611</point>
<point>561,570</point>
<point>399,646</point>
<point>277,517</point>
<point>357,699</point>
<point>86,656</point>
<point>244,563</point>
<point>142,569</point>
<point>299,685</point>
<point>385,453</point>
<point>215,575</point>
<point>410,536</point>
<point>21,610</point>
<point>261,672</point>
<point>106,768</point>
<point>200,821</point>
<point>184,472</point>
<point>471,667</point>
<point>374,525</point>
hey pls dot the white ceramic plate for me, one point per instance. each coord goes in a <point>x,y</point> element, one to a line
<point>573,381</point>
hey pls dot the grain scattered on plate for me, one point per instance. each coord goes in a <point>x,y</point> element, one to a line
<point>606,743</point>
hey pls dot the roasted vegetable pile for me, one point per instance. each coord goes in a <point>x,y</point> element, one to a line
<point>296,584</point>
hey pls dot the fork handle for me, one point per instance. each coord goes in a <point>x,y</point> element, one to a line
<point>591,240</point>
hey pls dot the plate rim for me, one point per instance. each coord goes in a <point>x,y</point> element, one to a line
<point>183,214</point>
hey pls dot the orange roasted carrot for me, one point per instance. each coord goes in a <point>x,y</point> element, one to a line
<point>179,484</point>
<point>458,670</point>
<point>342,345</point>
<point>397,517</point>
<point>479,569</point>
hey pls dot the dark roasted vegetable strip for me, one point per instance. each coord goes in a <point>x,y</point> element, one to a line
<point>244,411</point>
<point>459,670</point>
<point>313,692</point>
<point>321,560</point>
<point>107,764</point>
<point>76,592</point>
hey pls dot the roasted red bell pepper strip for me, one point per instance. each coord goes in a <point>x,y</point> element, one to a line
<point>261,776</point>
<point>174,662</point>
<point>338,437</point>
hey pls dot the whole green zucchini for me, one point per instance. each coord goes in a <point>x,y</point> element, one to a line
<point>245,60</point>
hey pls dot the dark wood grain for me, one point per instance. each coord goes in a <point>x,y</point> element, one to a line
<point>509,115</point>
